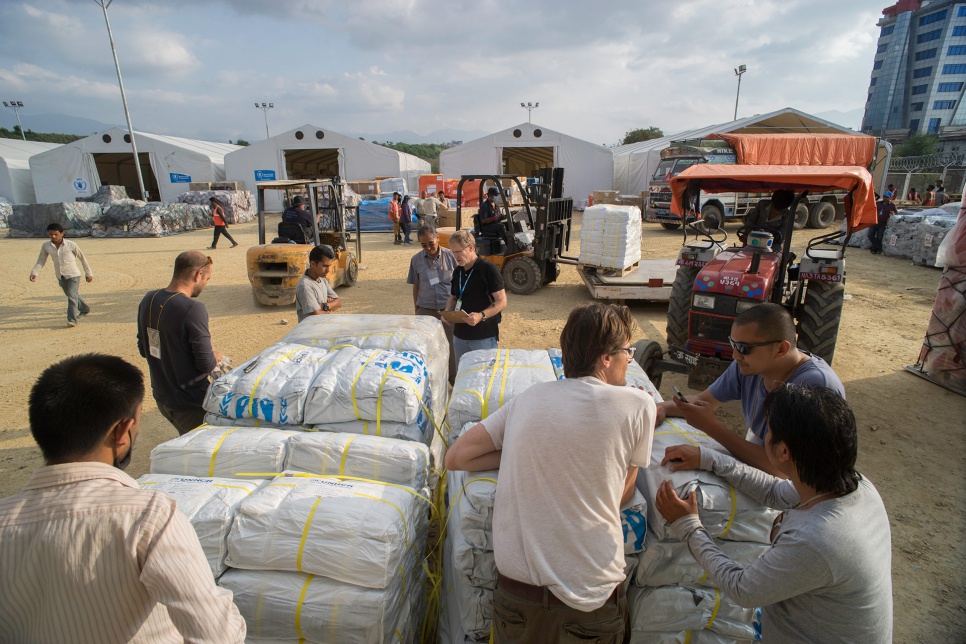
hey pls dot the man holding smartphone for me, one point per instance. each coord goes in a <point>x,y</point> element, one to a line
<point>763,339</point>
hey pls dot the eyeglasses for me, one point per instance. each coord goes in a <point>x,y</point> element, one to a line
<point>630,351</point>
<point>744,348</point>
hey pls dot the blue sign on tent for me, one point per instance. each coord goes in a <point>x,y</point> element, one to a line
<point>179,178</point>
<point>264,175</point>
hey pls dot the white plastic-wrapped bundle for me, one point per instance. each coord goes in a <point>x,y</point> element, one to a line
<point>209,504</point>
<point>684,637</point>
<point>899,239</point>
<point>490,378</point>
<point>681,608</point>
<point>351,531</point>
<point>929,234</point>
<point>610,236</point>
<point>635,374</point>
<point>467,611</point>
<point>421,431</point>
<point>634,523</point>
<point>367,457</point>
<point>222,451</point>
<point>391,185</point>
<point>669,563</point>
<point>293,606</point>
<point>369,384</point>
<point>221,421</point>
<point>272,386</point>
<point>238,205</point>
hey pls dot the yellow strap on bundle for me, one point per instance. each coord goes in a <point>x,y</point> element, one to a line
<point>355,381</point>
<point>214,454</point>
<point>489,384</point>
<point>506,370</point>
<point>306,475</point>
<point>258,612</point>
<point>678,431</point>
<point>395,507</point>
<point>717,605</point>
<point>687,637</point>
<point>305,534</point>
<point>459,493</point>
<point>233,487</point>
<point>251,398</point>
<point>734,511</point>
<point>345,453</point>
<point>382,385</point>
<point>298,607</point>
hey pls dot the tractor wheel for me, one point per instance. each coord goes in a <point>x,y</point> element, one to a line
<point>801,216</point>
<point>679,306</point>
<point>647,353</point>
<point>821,215</point>
<point>712,213</point>
<point>819,317</point>
<point>666,225</point>
<point>351,270</point>
<point>521,275</point>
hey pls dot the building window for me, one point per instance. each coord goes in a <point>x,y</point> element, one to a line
<point>933,17</point>
<point>919,89</point>
<point>933,126</point>
<point>929,35</point>
<point>954,69</point>
<point>914,125</point>
<point>872,82</point>
<point>943,105</point>
<point>922,72</point>
<point>949,87</point>
<point>930,53</point>
<point>955,50</point>
<point>915,107</point>
<point>959,31</point>
<point>887,31</point>
<point>877,65</point>
<point>962,12</point>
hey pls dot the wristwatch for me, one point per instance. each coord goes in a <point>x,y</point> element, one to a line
<point>483,313</point>
<point>325,306</point>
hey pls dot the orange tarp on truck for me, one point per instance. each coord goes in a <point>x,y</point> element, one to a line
<point>860,205</point>
<point>802,149</point>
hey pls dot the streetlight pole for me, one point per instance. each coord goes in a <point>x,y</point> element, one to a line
<point>15,106</point>
<point>127,114</point>
<point>264,107</point>
<point>738,72</point>
<point>529,107</point>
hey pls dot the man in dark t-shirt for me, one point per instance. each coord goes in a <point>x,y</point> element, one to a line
<point>477,288</point>
<point>173,336</point>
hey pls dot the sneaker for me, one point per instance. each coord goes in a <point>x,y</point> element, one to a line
<point>83,313</point>
<point>71,323</point>
<point>233,245</point>
<point>212,248</point>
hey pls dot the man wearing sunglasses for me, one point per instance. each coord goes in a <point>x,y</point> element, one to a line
<point>763,341</point>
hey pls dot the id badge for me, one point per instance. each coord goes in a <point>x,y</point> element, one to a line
<point>434,280</point>
<point>459,305</point>
<point>154,343</point>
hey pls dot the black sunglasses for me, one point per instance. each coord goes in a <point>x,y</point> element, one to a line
<point>744,348</point>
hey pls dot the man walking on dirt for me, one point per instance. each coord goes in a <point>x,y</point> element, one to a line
<point>763,340</point>
<point>65,254</point>
<point>173,335</point>
<point>568,453</point>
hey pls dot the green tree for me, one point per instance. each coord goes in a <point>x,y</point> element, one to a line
<point>917,145</point>
<point>42,137</point>
<point>241,142</point>
<point>638,135</point>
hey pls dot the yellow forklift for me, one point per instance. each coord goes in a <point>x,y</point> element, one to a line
<point>275,268</point>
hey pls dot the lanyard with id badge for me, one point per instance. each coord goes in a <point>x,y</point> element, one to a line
<point>154,337</point>
<point>463,284</point>
<point>433,268</point>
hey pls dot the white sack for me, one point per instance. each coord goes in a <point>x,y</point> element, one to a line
<point>635,374</point>
<point>222,451</point>
<point>368,457</point>
<point>209,504</point>
<point>351,531</point>
<point>421,432</point>
<point>681,608</point>
<point>669,563</point>
<point>610,236</point>
<point>684,637</point>
<point>467,611</point>
<point>899,239</point>
<point>221,421</point>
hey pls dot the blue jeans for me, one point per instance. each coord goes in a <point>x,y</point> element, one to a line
<point>461,346</point>
<point>75,304</point>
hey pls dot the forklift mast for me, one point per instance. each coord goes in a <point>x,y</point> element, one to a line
<point>552,219</point>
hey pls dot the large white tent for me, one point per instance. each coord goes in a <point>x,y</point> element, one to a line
<point>168,165</point>
<point>635,163</point>
<point>523,149</point>
<point>16,184</point>
<point>310,151</point>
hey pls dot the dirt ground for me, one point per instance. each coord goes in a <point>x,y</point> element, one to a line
<point>911,431</point>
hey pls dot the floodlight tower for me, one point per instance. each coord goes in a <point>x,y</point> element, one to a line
<point>738,72</point>
<point>264,107</point>
<point>15,106</point>
<point>529,107</point>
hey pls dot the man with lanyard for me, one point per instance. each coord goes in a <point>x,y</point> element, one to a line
<point>885,210</point>
<point>173,335</point>
<point>299,215</point>
<point>490,215</point>
<point>431,275</point>
<point>765,357</point>
<point>477,289</point>
<point>313,293</point>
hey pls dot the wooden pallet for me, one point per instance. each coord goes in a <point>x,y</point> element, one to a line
<point>608,271</point>
<point>202,186</point>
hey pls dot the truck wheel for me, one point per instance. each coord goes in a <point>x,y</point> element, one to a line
<point>819,317</point>
<point>647,353</point>
<point>711,213</point>
<point>351,270</point>
<point>666,225</point>
<point>821,215</point>
<point>521,275</point>
<point>801,216</point>
<point>679,306</point>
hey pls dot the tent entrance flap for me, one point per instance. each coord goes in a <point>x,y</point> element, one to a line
<point>117,169</point>
<point>524,162</point>
<point>312,164</point>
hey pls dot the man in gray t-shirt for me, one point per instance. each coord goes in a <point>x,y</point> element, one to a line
<point>828,574</point>
<point>431,276</point>
<point>313,294</point>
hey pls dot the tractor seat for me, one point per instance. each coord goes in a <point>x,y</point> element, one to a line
<point>478,232</point>
<point>293,231</point>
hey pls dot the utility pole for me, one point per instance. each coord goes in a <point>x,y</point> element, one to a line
<point>264,107</point>
<point>15,106</point>
<point>738,72</point>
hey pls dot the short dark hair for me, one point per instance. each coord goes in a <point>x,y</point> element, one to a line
<point>593,330</point>
<point>188,263</point>
<point>75,402</point>
<point>772,320</point>
<point>782,199</point>
<point>817,426</point>
<point>426,229</point>
<point>55,226</point>
<point>320,251</point>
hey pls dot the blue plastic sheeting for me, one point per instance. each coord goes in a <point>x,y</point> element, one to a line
<point>374,216</point>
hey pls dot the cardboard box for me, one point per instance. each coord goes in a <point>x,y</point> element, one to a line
<point>364,187</point>
<point>606,197</point>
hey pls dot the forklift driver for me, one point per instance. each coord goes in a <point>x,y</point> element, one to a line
<point>299,215</point>
<point>490,216</point>
<point>768,213</point>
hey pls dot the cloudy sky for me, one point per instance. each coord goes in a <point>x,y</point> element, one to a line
<point>195,68</point>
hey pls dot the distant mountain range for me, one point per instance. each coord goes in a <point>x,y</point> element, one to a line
<point>437,136</point>
<point>57,123</point>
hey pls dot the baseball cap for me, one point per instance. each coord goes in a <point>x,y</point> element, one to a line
<point>887,194</point>
<point>492,191</point>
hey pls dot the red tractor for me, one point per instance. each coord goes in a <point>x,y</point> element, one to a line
<point>715,284</point>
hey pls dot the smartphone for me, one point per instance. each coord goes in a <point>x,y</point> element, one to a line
<point>680,395</point>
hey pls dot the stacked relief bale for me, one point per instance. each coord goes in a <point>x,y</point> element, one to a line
<point>6,209</point>
<point>610,236</point>
<point>899,239</point>
<point>150,219</point>
<point>238,205</point>
<point>929,235</point>
<point>31,220</point>
<point>332,547</point>
<point>108,196</point>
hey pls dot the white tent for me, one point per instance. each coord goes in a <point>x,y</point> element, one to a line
<point>523,149</point>
<point>16,185</point>
<point>168,165</point>
<point>634,164</point>
<point>310,151</point>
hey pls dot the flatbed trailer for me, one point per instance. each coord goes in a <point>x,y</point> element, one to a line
<point>651,280</point>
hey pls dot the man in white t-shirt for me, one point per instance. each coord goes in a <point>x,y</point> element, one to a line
<point>568,453</point>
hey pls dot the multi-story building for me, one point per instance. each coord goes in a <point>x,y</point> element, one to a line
<point>919,74</point>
